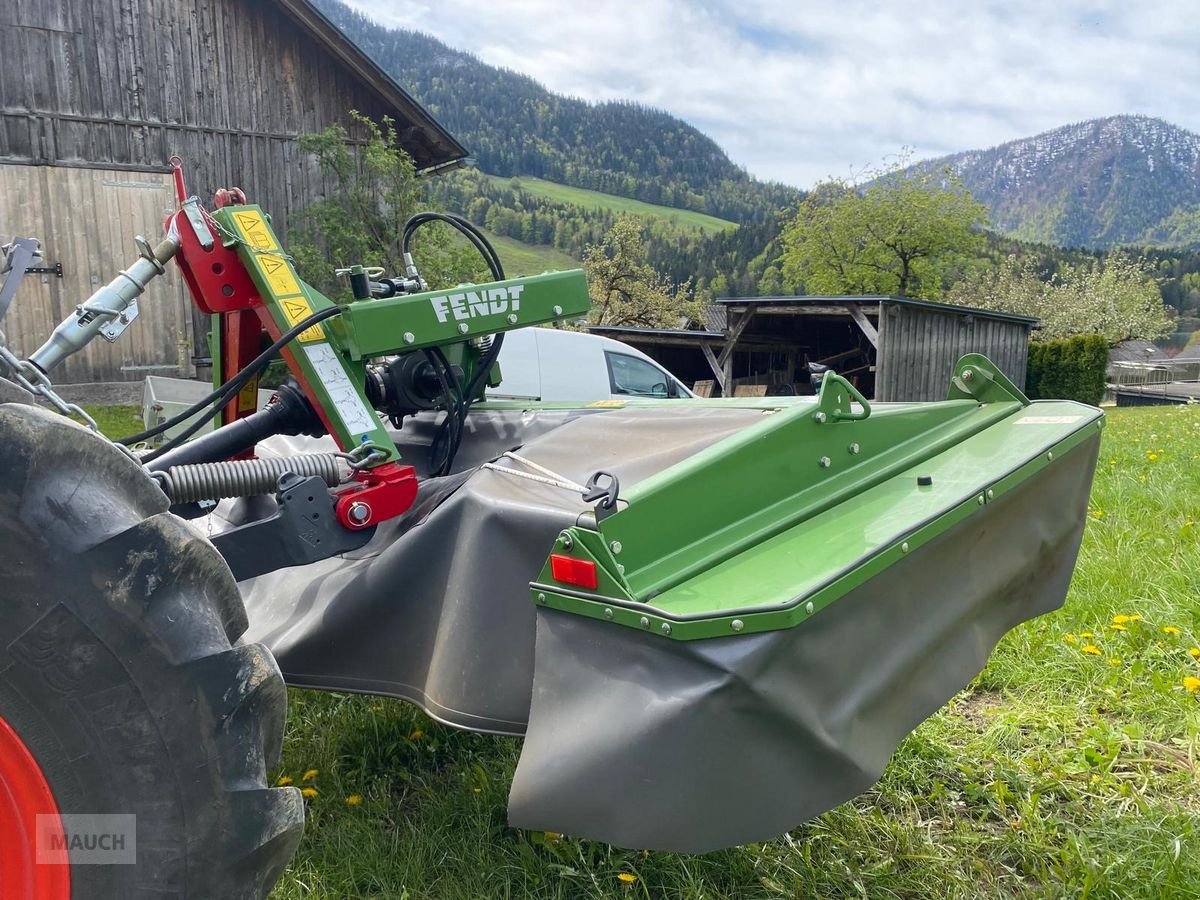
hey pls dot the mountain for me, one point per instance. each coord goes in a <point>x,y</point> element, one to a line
<point>1096,184</point>
<point>513,126</point>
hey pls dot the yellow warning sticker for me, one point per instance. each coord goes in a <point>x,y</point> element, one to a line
<point>297,309</point>
<point>255,230</point>
<point>279,275</point>
<point>247,400</point>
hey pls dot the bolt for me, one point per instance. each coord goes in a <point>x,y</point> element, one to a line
<point>981,501</point>
<point>359,513</point>
<point>462,328</point>
<point>564,538</point>
<point>644,622</point>
<point>615,547</point>
<point>409,337</point>
<point>666,628</point>
<point>512,318</point>
<point>1050,455</point>
<point>808,607</point>
<point>541,598</point>
<point>904,547</point>
<point>620,569</point>
<point>558,310</point>
<point>854,448</point>
<point>736,625</point>
<point>608,613</point>
<point>968,375</point>
<point>991,494</point>
<point>818,417</point>
<point>824,462</point>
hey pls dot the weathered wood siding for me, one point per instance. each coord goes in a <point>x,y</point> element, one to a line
<point>918,349</point>
<point>87,219</point>
<point>97,95</point>
<point>225,84</point>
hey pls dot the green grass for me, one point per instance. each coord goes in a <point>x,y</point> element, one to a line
<point>117,421</point>
<point>1057,774</point>
<point>561,193</point>
<point>530,259</point>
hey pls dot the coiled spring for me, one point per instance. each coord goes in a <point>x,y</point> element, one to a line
<point>244,477</point>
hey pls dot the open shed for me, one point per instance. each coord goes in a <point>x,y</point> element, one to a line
<point>891,348</point>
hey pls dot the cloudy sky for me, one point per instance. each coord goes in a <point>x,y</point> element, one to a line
<point>797,91</point>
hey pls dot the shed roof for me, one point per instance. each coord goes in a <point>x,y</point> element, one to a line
<point>429,144</point>
<point>835,299</point>
<point>1136,351</point>
<point>631,330</point>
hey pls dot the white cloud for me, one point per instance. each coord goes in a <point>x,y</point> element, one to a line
<point>797,91</point>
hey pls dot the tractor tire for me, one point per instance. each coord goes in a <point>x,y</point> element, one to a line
<point>123,690</point>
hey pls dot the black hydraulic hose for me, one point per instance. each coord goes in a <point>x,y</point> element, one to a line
<point>222,395</point>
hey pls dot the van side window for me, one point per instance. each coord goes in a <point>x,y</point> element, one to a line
<point>630,375</point>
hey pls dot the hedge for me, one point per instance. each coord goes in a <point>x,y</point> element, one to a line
<point>1068,369</point>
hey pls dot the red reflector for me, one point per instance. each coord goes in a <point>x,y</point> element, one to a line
<point>579,572</point>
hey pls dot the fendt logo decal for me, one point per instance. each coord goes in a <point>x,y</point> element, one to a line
<point>473,304</point>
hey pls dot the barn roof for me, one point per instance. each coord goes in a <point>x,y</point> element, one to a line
<point>429,144</point>
<point>1136,351</point>
<point>836,299</point>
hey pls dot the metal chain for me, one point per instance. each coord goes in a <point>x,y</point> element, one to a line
<point>547,476</point>
<point>29,377</point>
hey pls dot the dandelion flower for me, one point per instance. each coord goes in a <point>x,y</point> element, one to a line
<point>553,836</point>
<point>1114,660</point>
<point>627,878</point>
<point>416,734</point>
<point>1086,634</point>
<point>1070,638</point>
<point>1118,627</point>
<point>1152,456</point>
<point>1122,619</point>
<point>1090,649</point>
<point>284,780</point>
<point>1195,652</point>
<point>1192,683</point>
<point>309,775</point>
<point>354,800</point>
<point>1170,629</point>
<point>309,792</point>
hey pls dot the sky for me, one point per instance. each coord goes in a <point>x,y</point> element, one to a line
<point>800,91</point>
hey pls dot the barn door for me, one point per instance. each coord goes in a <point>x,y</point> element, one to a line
<point>86,220</point>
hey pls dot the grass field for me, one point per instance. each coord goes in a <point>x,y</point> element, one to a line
<point>1068,769</point>
<point>561,193</point>
<point>530,259</point>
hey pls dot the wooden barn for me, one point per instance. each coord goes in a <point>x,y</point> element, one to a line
<point>891,348</point>
<point>97,96</point>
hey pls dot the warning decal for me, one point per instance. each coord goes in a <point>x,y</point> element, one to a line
<point>279,275</point>
<point>297,309</point>
<point>255,230</point>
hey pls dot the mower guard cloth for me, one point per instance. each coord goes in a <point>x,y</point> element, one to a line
<point>690,746</point>
<point>435,609</point>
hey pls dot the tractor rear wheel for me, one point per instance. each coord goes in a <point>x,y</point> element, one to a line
<point>123,690</point>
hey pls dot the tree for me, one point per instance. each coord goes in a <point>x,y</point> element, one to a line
<point>625,288</point>
<point>1116,297</point>
<point>899,231</point>
<point>372,191</point>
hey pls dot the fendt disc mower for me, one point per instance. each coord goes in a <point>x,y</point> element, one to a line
<point>709,620</point>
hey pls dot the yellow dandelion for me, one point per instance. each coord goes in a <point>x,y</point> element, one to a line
<point>1121,620</point>
<point>309,775</point>
<point>416,734</point>
<point>1195,652</point>
<point>1070,638</point>
<point>1118,627</point>
<point>1170,629</point>
<point>354,800</point>
<point>1114,660</point>
<point>627,878</point>
<point>1090,649</point>
<point>283,780</point>
<point>1086,634</point>
<point>1192,683</point>
<point>309,792</point>
<point>553,836</point>
<point>1152,456</point>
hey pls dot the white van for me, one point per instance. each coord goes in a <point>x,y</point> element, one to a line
<point>549,364</point>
